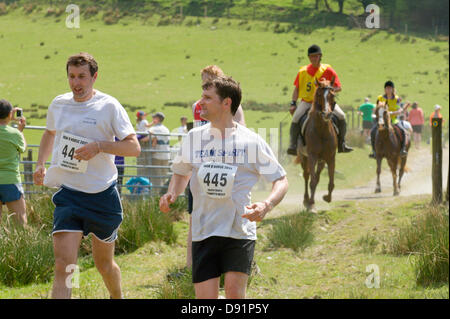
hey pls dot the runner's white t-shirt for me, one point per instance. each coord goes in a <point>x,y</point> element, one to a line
<point>99,119</point>
<point>216,214</point>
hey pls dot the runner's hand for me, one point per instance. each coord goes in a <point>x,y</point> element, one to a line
<point>292,109</point>
<point>39,174</point>
<point>87,152</point>
<point>165,201</point>
<point>260,209</point>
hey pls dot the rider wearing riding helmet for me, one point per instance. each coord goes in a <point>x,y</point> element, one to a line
<point>392,100</point>
<point>305,89</point>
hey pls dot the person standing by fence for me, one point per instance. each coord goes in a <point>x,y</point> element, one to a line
<point>12,144</point>
<point>417,120</point>
<point>161,144</point>
<point>81,126</point>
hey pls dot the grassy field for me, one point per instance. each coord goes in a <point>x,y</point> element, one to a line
<point>146,66</point>
<point>333,265</point>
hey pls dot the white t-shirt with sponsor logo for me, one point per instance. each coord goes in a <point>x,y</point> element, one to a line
<point>99,119</point>
<point>217,210</point>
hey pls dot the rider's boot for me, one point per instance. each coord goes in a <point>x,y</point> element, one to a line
<point>342,147</point>
<point>294,133</point>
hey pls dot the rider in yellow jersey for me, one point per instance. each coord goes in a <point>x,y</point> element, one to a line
<point>393,102</point>
<point>305,89</point>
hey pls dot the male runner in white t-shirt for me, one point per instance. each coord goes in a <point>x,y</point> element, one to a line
<point>81,127</point>
<point>223,161</point>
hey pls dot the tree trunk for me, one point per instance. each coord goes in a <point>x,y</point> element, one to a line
<point>341,6</point>
<point>327,5</point>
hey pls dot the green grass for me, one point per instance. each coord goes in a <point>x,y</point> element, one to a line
<point>293,231</point>
<point>331,267</point>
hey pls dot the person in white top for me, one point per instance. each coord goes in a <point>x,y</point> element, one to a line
<point>183,128</point>
<point>161,145</point>
<point>81,127</point>
<point>223,161</point>
<point>142,125</point>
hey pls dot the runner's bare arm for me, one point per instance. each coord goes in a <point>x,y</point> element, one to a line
<point>129,146</point>
<point>45,149</point>
<point>260,209</point>
<point>177,185</point>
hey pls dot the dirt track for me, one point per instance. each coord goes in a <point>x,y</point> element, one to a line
<point>416,181</point>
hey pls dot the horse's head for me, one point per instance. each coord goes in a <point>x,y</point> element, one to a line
<point>324,98</point>
<point>383,117</point>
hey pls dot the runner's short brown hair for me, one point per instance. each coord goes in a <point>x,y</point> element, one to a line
<point>226,87</point>
<point>83,58</point>
<point>212,70</point>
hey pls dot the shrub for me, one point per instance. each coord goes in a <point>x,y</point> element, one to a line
<point>368,243</point>
<point>294,231</point>
<point>3,8</point>
<point>90,11</point>
<point>28,8</point>
<point>143,222</point>
<point>26,255</point>
<point>178,285</point>
<point>427,238</point>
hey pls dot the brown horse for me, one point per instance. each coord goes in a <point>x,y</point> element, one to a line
<point>321,143</point>
<point>388,145</point>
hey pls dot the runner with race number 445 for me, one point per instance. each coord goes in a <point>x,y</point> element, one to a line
<point>223,161</point>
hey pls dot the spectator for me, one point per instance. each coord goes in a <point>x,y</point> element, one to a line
<point>12,143</point>
<point>366,110</point>
<point>142,125</point>
<point>417,119</point>
<point>183,128</point>
<point>160,143</point>
<point>436,114</point>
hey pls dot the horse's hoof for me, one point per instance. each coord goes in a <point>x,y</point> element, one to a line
<point>327,198</point>
<point>396,193</point>
<point>377,190</point>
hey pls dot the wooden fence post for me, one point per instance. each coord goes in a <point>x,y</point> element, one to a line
<point>436,133</point>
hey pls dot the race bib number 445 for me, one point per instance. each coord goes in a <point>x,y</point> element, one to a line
<point>66,152</point>
<point>217,179</point>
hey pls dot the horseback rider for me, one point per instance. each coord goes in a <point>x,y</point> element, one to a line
<point>393,101</point>
<point>305,89</point>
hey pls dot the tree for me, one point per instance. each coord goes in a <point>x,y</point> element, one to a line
<point>341,5</point>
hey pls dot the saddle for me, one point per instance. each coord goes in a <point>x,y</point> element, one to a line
<point>303,122</point>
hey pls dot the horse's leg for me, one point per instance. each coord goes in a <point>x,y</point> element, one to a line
<point>402,171</point>
<point>304,162</point>
<point>312,161</point>
<point>378,188</point>
<point>393,165</point>
<point>331,166</point>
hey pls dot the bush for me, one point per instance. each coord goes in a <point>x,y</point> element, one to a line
<point>143,222</point>
<point>26,255</point>
<point>28,8</point>
<point>356,139</point>
<point>294,231</point>
<point>368,243</point>
<point>3,8</point>
<point>427,238</point>
<point>178,285</point>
